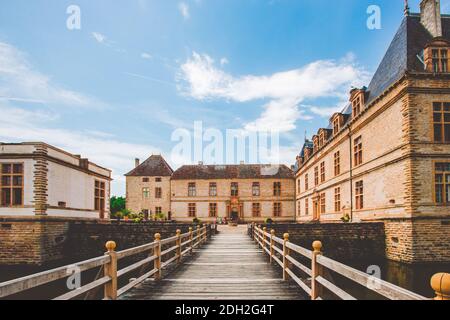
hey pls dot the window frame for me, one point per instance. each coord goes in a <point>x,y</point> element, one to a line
<point>316,176</point>
<point>146,193</point>
<point>337,200</point>
<point>256,186</point>
<point>158,193</point>
<point>234,189</point>
<point>277,210</point>
<point>213,189</point>
<point>11,186</point>
<point>277,189</point>
<point>192,189</point>
<point>101,196</point>
<point>306,182</point>
<point>357,151</point>
<point>256,210</point>
<point>322,172</point>
<point>359,195</point>
<point>444,184</point>
<point>306,207</point>
<point>192,210</point>
<point>443,123</point>
<point>212,210</point>
<point>322,203</point>
<point>337,163</point>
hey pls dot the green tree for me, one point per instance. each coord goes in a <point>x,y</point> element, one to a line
<point>117,204</point>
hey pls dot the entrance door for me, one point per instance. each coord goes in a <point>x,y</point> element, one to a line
<point>235,216</point>
<point>316,210</point>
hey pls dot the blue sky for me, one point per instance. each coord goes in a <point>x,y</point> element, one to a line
<point>139,69</point>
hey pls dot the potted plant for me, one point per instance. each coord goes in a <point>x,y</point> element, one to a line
<point>196,220</point>
<point>346,218</point>
<point>119,216</point>
<point>268,221</point>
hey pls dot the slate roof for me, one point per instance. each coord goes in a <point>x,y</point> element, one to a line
<point>244,171</point>
<point>401,56</point>
<point>155,166</point>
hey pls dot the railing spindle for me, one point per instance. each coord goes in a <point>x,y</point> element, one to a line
<point>316,270</point>
<point>264,240</point>
<point>191,239</point>
<point>111,271</point>
<point>179,246</point>
<point>272,234</point>
<point>285,253</point>
<point>198,235</point>
<point>157,251</point>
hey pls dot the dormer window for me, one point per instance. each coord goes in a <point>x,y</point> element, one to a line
<point>357,99</point>
<point>436,56</point>
<point>316,144</point>
<point>321,139</point>
<point>336,126</point>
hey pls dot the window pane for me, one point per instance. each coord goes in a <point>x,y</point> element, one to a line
<point>437,117</point>
<point>447,132</point>
<point>6,197</point>
<point>17,197</point>
<point>438,133</point>
<point>17,181</point>
<point>437,106</point>
<point>6,168</point>
<point>439,178</point>
<point>18,168</point>
<point>439,193</point>
<point>6,181</point>
<point>447,117</point>
<point>447,193</point>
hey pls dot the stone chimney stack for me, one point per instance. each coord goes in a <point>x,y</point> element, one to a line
<point>136,162</point>
<point>430,16</point>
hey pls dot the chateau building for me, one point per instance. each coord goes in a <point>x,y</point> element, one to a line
<point>386,156</point>
<point>239,192</point>
<point>37,179</point>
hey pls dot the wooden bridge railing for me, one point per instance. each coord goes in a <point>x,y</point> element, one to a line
<point>179,245</point>
<point>281,251</point>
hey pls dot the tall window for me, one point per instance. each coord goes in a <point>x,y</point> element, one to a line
<point>299,208</point>
<point>322,172</point>
<point>213,189</point>
<point>11,184</point>
<point>306,207</point>
<point>321,139</point>
<point>192,210</point>
<point>441,122</point>
<point>192,189</point>
<point>337,163</point>
<point>358,152</point>
<point>158,210</point>
<point>158,193</point>
<point>277,209</point>
<point>306,182</point>
<point>99,195</point>
<point>145,180</point>
<point>256,189</point>
<point>158,179</point>
<point>256,210</point>
<point>440,60</point>
<point>359,195</point>
<point>357,106</point>
<point>145,193</point>
<point>323,208</point>
<point>336,126</point>
<point>337,199</point>
<point>234,189</point>
<point>213,210</point>
<point>442,183</point>
<point>299,185</point>
<point>316,176</point>
<point>277,189</point>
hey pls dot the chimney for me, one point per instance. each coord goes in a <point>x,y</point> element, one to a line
<point>136,162</point>
<point>430,16</point>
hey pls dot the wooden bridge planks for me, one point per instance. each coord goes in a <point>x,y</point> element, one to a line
<point>230,267</point>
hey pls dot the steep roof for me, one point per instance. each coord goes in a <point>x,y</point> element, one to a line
<point>210,172</point>
<point>155,166</point>
<point>401,56</point>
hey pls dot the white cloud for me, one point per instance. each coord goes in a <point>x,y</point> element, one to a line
<point>100,38</point>
<point>183,7</point>
<point>145,55</point>
<point>19,82</point>
<point>200,79</point>
<point>19,125</point>
<point>326,112</point>
<point>224,61</point>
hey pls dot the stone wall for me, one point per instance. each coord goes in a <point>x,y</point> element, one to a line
<point>342,242</point>
<point>51,241</point>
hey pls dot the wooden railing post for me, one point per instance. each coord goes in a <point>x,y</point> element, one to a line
<point>191,238</point>
<point>316,270</point>
<point>157,262</point>
<point>264,240</point>
<point>272,234</point>
<point>198,235</point>
<point>179,246</point>
<point>285,253</point>
<point>259,235</point>
<point>441,285</point>
<point>110,270</point>
<point>205,236</point>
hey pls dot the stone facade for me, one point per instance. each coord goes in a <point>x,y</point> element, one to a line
<point>53,183</point>
<point>242,204</point>
<point>388,152</point>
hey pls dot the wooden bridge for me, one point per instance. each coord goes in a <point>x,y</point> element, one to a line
<point>235,264</point>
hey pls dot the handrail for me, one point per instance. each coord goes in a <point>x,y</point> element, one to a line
<point>283,256</point>
<point>108,263</point>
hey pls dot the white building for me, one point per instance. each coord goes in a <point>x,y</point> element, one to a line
<point>39,179</point>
